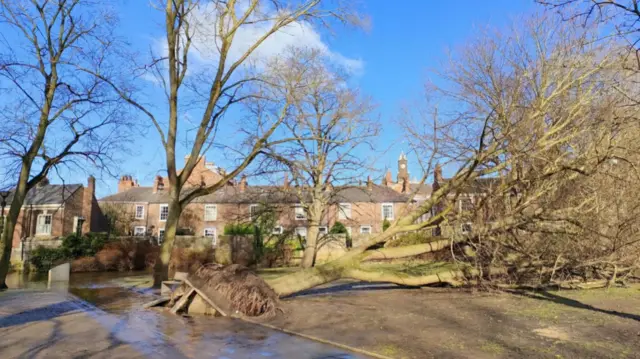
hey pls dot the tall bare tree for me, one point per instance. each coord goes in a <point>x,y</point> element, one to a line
<point>207,93</point>
<point>332,128</point>
<point>52,114</point>
<point>538,108</point>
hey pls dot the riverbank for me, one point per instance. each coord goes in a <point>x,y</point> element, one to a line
<point>452,323</point>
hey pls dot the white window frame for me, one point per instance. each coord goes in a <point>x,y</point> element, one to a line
<point>342,210</point>
<point>135,230</point>
<point>141,216</point>
<point>210,217</point>
<point>50,226</point>
<point>393,211</point>
<point>362,227</point>
<point>160,212</point>
<point>277,230</point>
<point>296,209</point>
<point>323,229</point>
<point>251,206</point>
<point>214,237</point>
<point>299,229</point>
<point>160,235</point>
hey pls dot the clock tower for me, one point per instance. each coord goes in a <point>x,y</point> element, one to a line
<point>403,171</point>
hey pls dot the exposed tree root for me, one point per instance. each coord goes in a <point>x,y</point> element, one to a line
<point>245,291</point>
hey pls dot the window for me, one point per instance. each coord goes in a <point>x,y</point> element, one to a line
<point>164,212</point>
<point>253,212</point>
<point>43,225</point>
<point>160,236</point>
<point>465,204</point>
<point>210,212</point>
<point>365,229</point>
<point>302,232</point>
<point>387,211</point>
<point>466,228</point>
<point>322,229</point>
<point>77,224</point>
<point>301,215</point>
<point>277,230</point>
<point>139,230</point>
<point>139,211</point>
<point>210,233</point>
<point>344,211</point>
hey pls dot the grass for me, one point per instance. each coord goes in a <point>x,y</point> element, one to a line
<point>274,273</point>
<point>492,347</point>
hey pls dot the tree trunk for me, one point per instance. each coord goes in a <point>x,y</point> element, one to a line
<point>6,237</point>
<point>161,268</point>
<point>315,215</point>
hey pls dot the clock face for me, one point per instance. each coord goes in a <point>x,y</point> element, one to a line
<point>403,166</point>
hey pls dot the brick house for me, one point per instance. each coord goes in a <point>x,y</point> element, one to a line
<point>361,208</point>
<point>56,210</point>
<point>467,198</point>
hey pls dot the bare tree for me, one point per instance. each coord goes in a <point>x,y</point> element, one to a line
<point>539,109</point>
<point>332,129</point>
<point>623,17</point>
<point>53,115</point>
<point>207,93</point>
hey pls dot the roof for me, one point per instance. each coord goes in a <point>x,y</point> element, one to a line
<point>260,194</point>
<point>48,194</point>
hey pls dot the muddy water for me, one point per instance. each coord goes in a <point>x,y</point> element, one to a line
<point>115,301</point>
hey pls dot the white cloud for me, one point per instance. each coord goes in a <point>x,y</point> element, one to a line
<point>205,43</point>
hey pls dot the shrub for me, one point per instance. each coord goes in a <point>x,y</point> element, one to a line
<point>385,224</point>
<point>338,228</point>
<point>43,258</point>
<point>76,246</point>
<point>238,229</point>
<point>85,264</point>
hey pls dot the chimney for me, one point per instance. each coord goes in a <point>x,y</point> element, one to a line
<point>285,183</point>
<point>243,183</point>
<point>158,184</point>
<point>437,174</point>
<point>386,181</point>
<point>87,203</point>
<point>126,182</point>
<point>369,184</point>
<point>406,187</point>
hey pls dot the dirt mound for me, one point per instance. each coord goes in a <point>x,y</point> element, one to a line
<point>244,290</point>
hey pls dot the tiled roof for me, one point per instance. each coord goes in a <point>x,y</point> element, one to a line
<point>48,194</point>
<point>259,194</point>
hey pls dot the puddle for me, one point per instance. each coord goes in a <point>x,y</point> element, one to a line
<point>158,334</point>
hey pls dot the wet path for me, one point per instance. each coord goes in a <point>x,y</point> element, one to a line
<point>152,333</point>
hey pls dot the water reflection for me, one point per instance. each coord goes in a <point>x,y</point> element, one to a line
<point>115,301</point>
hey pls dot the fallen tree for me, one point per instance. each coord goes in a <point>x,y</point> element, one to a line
<point>550,118</point>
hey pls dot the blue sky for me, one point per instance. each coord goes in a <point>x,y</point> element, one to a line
<point>403,44</point>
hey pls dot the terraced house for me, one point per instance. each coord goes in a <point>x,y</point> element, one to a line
<point>143,210</point>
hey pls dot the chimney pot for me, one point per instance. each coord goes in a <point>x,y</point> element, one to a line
<point>369,184</point>
<point>243,183</point>
<point>285,183</point>
<point>387,178</point>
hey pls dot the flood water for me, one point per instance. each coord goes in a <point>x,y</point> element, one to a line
<point>115,300</point>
